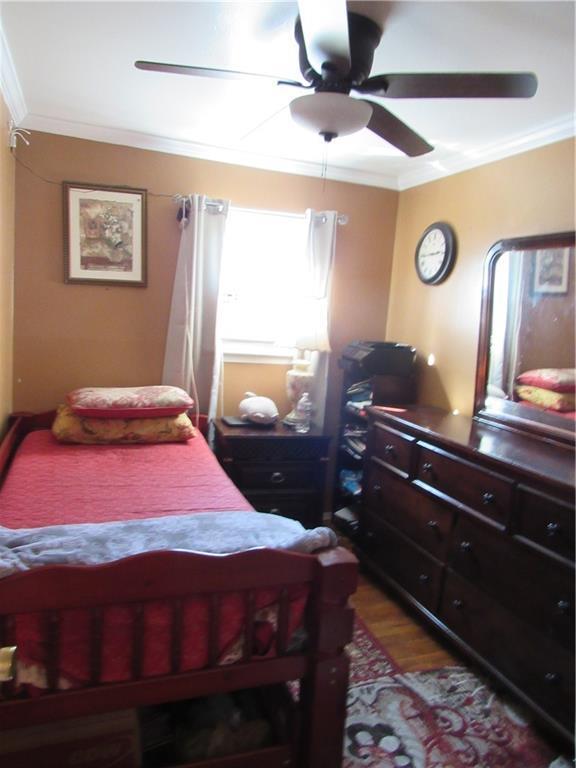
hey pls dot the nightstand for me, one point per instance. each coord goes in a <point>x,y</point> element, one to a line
<point>277,469</point>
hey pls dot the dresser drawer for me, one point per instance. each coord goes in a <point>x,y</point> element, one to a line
<point>393,448</point>
<point>529,583</point>
<point>406,564</point>
<point>546,521</point>
<point>295,475</point>
<point>421,518</point>
<point>533,662</point>
<point>479,489</point>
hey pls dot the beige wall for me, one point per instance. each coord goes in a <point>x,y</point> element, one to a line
<point>76,335</point>
<point>7,176</point>
<point>70,335</point>
<point>526,194</point>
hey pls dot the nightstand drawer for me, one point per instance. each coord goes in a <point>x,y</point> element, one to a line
<point>306,508</point>
<point>281,475</point>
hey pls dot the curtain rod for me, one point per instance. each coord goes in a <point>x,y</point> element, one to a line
<point>219,205</point>
<point>342,218</point>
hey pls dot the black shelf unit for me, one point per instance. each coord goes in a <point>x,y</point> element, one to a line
<point>387,368</point>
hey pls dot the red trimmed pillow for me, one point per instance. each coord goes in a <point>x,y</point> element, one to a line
<point>554,379</point>
<point>129,402</point>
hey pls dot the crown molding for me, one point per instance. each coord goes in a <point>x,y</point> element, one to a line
<point>9,83</point>
<point>433,170</point>
<point>563,128</point>
<point>204,151</point>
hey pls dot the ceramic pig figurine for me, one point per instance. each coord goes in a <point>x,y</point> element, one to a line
<point>260,410</point>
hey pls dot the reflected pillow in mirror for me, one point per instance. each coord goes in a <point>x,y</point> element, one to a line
<point>554,379</point>
<point>545,398</point>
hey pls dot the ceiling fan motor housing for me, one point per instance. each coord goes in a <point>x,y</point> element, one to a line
<point>364,37</point>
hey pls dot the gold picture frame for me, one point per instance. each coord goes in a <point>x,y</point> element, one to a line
<point>104,234</point>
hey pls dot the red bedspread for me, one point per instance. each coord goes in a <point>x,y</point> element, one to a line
<point>51,483</point>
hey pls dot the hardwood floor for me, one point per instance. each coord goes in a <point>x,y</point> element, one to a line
<point>412,646</point>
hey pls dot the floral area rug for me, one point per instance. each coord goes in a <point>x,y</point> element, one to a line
<point>445,718</point>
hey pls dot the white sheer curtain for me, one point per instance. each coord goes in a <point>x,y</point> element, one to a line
<point>192,358</point>
<point>314,320</point>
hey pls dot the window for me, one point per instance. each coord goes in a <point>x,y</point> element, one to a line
<point>263,268</point>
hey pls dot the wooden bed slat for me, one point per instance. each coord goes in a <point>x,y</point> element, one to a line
<point>249,607</point>
<point>176,628</point>
<point>213,630</point>
<point>282,630</point>
<point>138,630</point>
<point>96,618</point>
<point>52,635</point>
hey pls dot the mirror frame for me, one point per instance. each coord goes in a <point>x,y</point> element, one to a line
<point>505,413</point>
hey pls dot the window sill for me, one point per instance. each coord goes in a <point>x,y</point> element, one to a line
<point>260,353</point>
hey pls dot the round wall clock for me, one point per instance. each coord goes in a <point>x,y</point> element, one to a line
<point>435,253</point>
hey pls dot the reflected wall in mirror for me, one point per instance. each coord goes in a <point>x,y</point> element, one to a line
<point>526,355</point>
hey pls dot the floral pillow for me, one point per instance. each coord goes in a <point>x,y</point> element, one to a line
<point>68,427</point>
<point>129,402</point>
<point>555,379</point>
<point>545,398</point>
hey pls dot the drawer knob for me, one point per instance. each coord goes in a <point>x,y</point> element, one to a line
<point>389,449</point>
<point>563,606</point>
<point>427,467</point>
<point>424,578</point>
<point>465,546</point>
<point>552,529</point>
<point>277,478</point>
<point>458,604</point>
<point>432,524</point>
<point>488,498</point>
<point>377,488</point>
<point>552,678</point>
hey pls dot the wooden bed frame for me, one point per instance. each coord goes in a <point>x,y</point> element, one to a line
<point>321,667</point>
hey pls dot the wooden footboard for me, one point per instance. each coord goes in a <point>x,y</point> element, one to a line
<point>321,665</point>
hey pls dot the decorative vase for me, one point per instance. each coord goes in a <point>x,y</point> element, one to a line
<point>298,380</point>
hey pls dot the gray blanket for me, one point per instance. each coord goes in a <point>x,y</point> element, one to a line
<point>207,532</point>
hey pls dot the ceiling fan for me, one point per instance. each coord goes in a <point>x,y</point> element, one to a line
<point>336,52</point>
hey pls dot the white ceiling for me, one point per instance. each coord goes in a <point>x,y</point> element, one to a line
<point>68,68</point>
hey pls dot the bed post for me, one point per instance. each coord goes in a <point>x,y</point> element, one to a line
<point>324,689</point>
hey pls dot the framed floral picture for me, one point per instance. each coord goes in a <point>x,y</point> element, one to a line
<point>104,234</point>
<point>551,270</point>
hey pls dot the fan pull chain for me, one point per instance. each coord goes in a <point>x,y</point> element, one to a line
<point>324,166</point>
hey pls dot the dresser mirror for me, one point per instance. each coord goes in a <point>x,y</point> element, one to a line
<point>526,352</point>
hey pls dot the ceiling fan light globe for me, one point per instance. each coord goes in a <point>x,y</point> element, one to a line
<point>331,114</point>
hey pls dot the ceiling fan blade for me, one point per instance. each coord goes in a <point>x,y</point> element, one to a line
<point>453,85</point>
<point>326,38</point>
<point>395,132</point>
<point>226,74</point>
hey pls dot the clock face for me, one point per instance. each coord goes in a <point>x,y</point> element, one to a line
<point>435,253</point>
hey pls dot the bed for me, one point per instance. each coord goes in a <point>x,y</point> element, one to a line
<point>167,624</point>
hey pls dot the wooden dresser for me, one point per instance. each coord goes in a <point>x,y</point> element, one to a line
<point>474,526</point>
